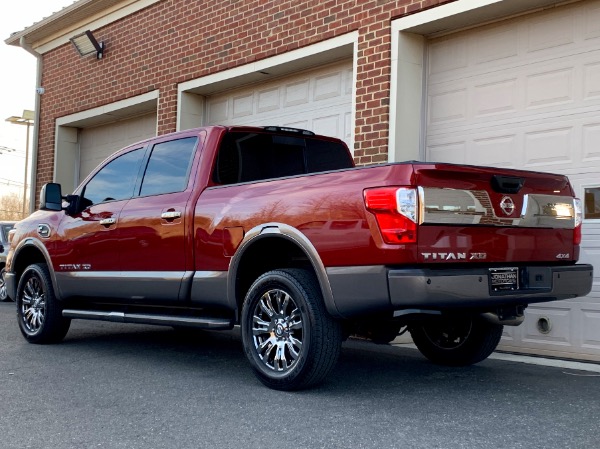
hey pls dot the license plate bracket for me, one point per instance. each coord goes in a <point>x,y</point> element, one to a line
<point>504,279</point>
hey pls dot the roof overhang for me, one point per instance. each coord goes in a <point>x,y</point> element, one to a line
<point>56,29</point>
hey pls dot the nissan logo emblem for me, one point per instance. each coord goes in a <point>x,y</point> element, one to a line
<point>507,205</point>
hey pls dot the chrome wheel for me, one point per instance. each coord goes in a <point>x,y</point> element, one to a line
<point>3,290</point>
<point>277,330</point>
<point>38,312</point>
<point>33,305</point>
<point>289,338</point>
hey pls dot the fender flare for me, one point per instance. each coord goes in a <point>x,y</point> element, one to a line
<point>32,242</point>
<point>292,234</point>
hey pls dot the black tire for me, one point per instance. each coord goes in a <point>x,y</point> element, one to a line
<point>457,341</point>
<point>289,338</point>
<point>3,291</point>
<point>38,312</point>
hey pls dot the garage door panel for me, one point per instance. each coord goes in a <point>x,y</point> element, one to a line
<point>296,93</point>
<point>548,142</point>
<point>97,143</point>
<point>550,30</point>
<point>448,106</point>
<point>328,125</point>
<point>553,86</point>
<point>591,326</point>
<point>525,93</point>
<point>591,21</point>
<point>496,97</point>
<point>591,142</point>
<point>328,86</point>
<point>548,147</point>
<point>559,319</point>
<point>218,111</point>
<point>319,100</point>
<point>454,152</point>
<point>243,106</point>
<point>536,93</point>
<point>268,100</point>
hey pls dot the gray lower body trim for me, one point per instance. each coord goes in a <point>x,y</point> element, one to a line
<point>371,289</point>
<point>357,290</point>
<point>470,287</point>
<point>209,288</point>
<point>128,285</point>
<point>11,285</point>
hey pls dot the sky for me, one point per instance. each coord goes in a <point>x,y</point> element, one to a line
<point>17,85</point>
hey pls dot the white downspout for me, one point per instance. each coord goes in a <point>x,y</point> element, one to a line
<point>36,124</point>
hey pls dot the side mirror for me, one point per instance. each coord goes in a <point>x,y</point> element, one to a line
<point>51,197</point>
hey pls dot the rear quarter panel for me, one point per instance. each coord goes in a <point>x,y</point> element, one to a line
<point>328,208</point>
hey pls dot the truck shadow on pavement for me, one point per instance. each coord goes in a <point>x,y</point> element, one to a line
<point>362,365</point>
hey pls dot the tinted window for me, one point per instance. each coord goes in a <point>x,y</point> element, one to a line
<point>4,231</point>
<point>247,157</point>
<point>168,167</point>
<point>115,181</point>
<point>323,156</point>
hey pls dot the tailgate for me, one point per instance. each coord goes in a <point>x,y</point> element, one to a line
<point>490,215</point>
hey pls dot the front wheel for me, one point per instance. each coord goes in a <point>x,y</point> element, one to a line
<point>457,342</point>
<point>38,312</point>
<point>3,289</point>
<point>289,338</point>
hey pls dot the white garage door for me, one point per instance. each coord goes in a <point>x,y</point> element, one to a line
<point>319,100</point>
<point>99,142</point>
<point>525,93</point>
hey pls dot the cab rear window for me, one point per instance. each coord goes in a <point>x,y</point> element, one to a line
<point>247,157</point>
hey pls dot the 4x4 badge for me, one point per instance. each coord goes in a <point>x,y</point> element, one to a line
<point>507,205</point>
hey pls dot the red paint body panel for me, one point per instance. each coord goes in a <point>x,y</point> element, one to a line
<point>327,208</point>
<point>81,239</point>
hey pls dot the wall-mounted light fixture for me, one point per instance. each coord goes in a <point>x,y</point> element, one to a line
<point>86,43</point>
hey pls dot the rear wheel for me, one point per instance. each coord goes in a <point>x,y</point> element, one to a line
<point>457,341</point>
<point>289,338</point>
<point>3,289</point>
<point>38,312</point>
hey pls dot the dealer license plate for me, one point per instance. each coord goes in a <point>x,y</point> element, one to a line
<point>503,279</point>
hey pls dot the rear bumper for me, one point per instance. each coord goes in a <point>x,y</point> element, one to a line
<point>360,290</point>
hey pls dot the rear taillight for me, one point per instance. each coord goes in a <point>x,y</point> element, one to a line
<point>578,221</point>
<point>396,210</point>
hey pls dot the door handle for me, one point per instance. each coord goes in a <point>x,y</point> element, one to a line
<point>108,221</point>
<point>170,215</point>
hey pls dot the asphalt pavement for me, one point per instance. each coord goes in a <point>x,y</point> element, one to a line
<point>133,386</point>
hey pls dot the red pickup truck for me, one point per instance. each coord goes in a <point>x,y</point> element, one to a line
<point>276,230</point>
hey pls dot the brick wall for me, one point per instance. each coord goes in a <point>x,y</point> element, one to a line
<point>177,40</point>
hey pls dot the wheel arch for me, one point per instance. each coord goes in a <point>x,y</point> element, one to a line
<point>28,252</point>
<point>286,247</point>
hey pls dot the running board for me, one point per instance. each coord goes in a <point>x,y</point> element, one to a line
<point>147,318</point>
